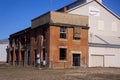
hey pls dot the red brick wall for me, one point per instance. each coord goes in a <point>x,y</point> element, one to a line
<point>72,45</point>
<point>53,44</point>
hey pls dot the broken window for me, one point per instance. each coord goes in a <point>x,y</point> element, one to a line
<point>63,32</point>
<point>62,53</point>
<point>76,33</point>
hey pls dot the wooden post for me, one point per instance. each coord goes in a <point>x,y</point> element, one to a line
<point>9,53</point>
<point>14,56</point>
<point>32,52</point>
<point>19,51</point>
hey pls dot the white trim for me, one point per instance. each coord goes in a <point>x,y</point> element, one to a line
<point>102,54</point>
<point>62,39</point>
<point>77,40</point>
<point>63,61</point>
<point>109,54</point>
<point>78,52</point>
<point>62,46</point>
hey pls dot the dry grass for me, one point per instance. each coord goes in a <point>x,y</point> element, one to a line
<point>8,72</point>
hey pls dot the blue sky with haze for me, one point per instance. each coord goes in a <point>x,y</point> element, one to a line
<point>16,15</point>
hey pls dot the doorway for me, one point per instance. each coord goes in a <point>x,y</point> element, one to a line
<point>76,60</point>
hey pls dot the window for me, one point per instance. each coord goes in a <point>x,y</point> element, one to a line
<point>63,32</point>
<point>101,25</point>
<point>114,26</point>
<point>62,53</point>
<point>76,32</point>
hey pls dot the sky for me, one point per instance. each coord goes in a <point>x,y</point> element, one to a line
<point>16,15</point>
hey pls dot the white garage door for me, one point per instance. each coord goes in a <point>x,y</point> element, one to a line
<point>109,61</point>
<point>97,61</point>
<point>113,60</point>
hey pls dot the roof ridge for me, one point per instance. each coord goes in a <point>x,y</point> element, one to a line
<point>114,14</point>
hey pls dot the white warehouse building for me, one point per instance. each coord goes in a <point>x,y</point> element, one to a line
<point>104,32</point>
<point>3,50</point>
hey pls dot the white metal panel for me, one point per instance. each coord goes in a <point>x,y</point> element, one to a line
<point>109,61</point>
<point>97,61</point>
<point>111,56</point>
<point>117,60</point>
<point>112,61</point>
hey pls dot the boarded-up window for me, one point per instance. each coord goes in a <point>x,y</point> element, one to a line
<point>114,26</point>
<point>100,25</point>
<point>77,33</point>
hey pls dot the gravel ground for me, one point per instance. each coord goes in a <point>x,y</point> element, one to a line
<point>8,72</point>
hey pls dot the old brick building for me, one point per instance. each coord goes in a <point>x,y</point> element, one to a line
<point>56,40</point>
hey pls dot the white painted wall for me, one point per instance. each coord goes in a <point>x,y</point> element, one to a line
<point>3,53</point>
<point>104,16</point>
<point>105,24</point>
<point>97,61</point>
<point>111,56</point>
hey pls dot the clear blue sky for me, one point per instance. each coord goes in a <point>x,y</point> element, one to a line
<point>16,15</point>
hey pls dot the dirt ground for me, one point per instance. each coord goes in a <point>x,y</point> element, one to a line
<point>8,72</point>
